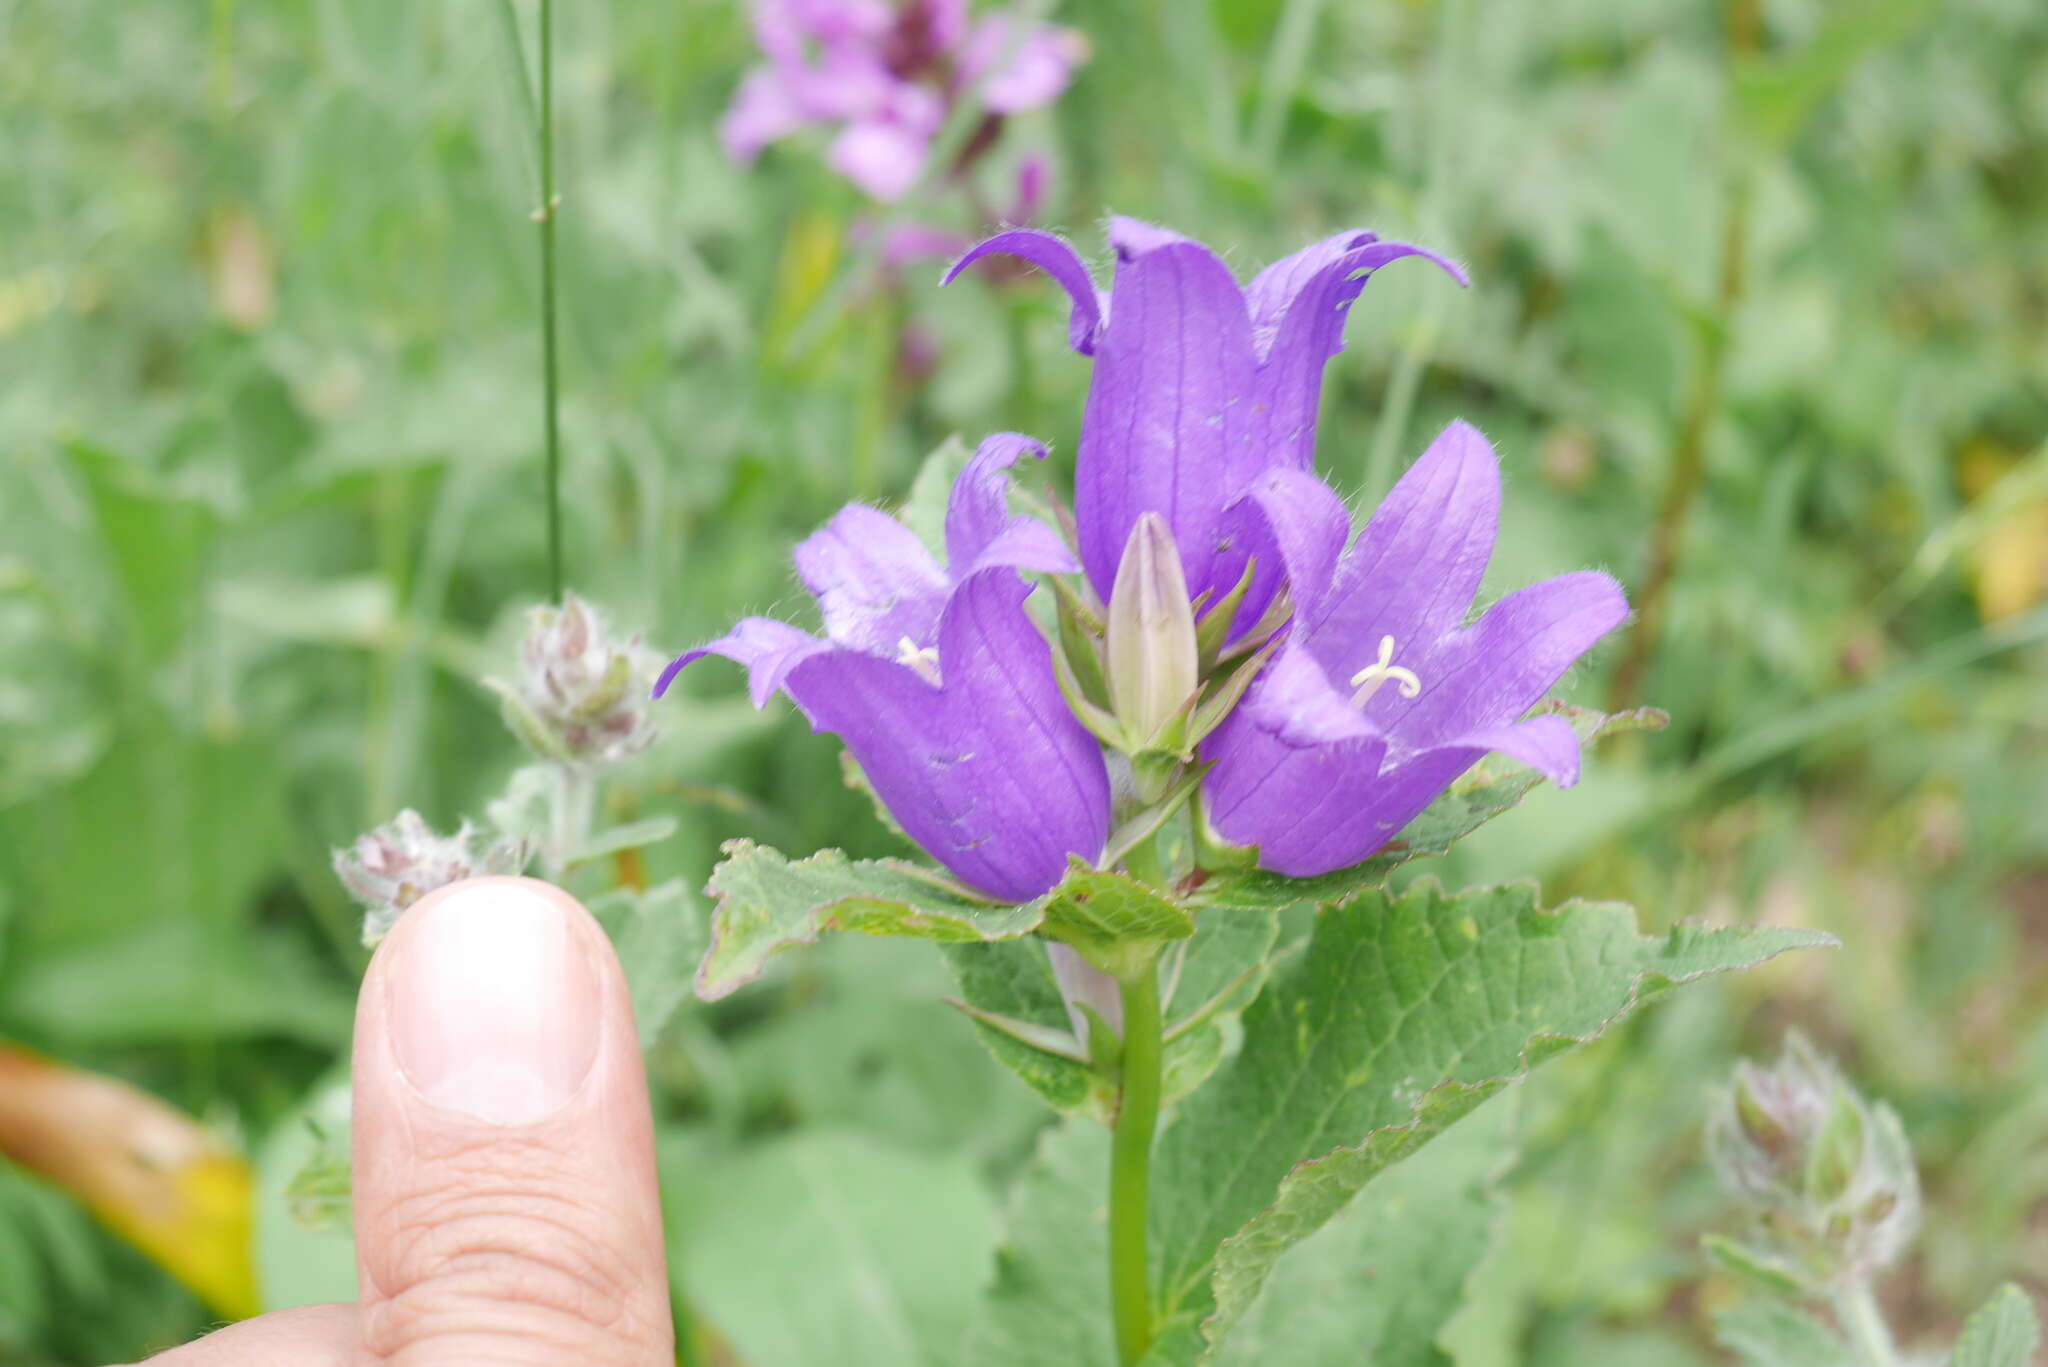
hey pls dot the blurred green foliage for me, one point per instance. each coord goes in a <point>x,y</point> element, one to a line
<point>270,508</point>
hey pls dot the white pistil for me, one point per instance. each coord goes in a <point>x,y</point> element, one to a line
<point>925,661</point>
<point>1368,680</point>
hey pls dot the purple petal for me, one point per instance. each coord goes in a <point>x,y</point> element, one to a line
<point>1163,427</point>
<point>1131,238</point>
<point>763,111</point>
<point>1056,259</point>
<point>981,533</point>
<point>1546,744</point>
<point>882,157</point>
<point>1033,173</point>
<point>1298,307</point>
<point>1295,527</point>
<point>989,773</point>
<point>1035,71</point>
<point>1490,673</point>
<point>1418,562</point>
<point>874,580</point>
<point>766,648</point>
<point>1293,768</point>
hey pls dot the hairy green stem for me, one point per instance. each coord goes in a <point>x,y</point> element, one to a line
<point>1130,1163</point>
<point>1864,1323</point>
<point>545,217</point>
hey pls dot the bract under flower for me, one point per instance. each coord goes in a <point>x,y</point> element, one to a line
<point>1383,695</point>
<point>940,684</point>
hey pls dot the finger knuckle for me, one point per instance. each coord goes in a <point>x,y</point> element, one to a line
<point>499,1253</point>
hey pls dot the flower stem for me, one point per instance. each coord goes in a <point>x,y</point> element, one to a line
<point>1857,1309</point>
<point>1130,1163</point>
<point>545,217</point>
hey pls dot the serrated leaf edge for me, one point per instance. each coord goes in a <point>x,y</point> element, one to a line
<point>1538,1049</point>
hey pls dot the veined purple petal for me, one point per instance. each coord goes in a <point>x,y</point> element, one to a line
<point>766,648</point>
<point>1053,256</point>
<point>1293,767</point>
<point>1295,527</point>
<point>989,771</point>
<point>1499,667</point>
<point>1546,744</point>
<point>1413,571</point>
<point>1131,238</point>
<point>978,514</point>
<point>1296,335</point>
<point>875,583</point>
<point>1163,427</point>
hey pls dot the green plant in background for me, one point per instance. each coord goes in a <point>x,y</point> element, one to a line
<point>267,516</point>
<point>1830,1181</point>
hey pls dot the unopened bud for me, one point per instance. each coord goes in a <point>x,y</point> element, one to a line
<point>390,868</point>
<point>1150,642</point>
<point>1828,1174</point>
<point>582,695</point>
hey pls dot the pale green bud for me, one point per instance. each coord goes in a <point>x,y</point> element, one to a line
<point>1151,647</point>
<point>1827,1172</point>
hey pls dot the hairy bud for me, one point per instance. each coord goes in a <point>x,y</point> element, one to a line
<point>1828,1173</point>
<point>403,860</point>
<point>582,695</point>
<point>1151,648</point>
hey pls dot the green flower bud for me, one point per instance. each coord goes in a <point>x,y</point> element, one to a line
<point>1827,1174</point>
<point>1150,644</point>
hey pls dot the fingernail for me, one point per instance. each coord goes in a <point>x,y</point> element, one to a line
<point>493,1003</point>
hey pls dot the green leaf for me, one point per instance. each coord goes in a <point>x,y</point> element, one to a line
<point>1092,910</point>
<point>1397,1018</point>
<point>1776,95</point>
<point>767,903</point>
<point>1760,1269</point>
<point>305,1252</point>
<point>1364,1287</point>
<point>924,510</point>
<point>1219,972</point>
<point>2005,1333</point>
<point>876,1252</point>
<point>1772,1334</point>
<point>660,935</point>
<point>1495,785</point>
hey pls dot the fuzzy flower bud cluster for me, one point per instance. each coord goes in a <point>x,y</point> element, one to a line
<point>1828,1174</point>
<point>395,865</point>
<point>582,693</point>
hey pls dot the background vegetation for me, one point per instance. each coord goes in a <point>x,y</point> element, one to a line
<point>1759,295</point>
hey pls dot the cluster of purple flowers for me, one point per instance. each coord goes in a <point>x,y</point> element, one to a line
<point>1357,689</point>
<point>887,76</point>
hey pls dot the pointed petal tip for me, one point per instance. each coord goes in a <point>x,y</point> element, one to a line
<point>675,667</point>
<point>1057,259</point>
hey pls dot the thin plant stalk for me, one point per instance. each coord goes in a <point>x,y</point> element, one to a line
<point>1864,1323</point>
<point>1130,1163</point>
<point>544,216</point>
<point>1703,402</point>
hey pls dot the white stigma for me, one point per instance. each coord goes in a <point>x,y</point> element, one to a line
<point>1368,680</point>
<point>925,661</point>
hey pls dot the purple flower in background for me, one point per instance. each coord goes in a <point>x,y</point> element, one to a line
<point>940,684</point>
<point>1382,694</point>
<point>1201,386</point>
<point>887,75</point>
